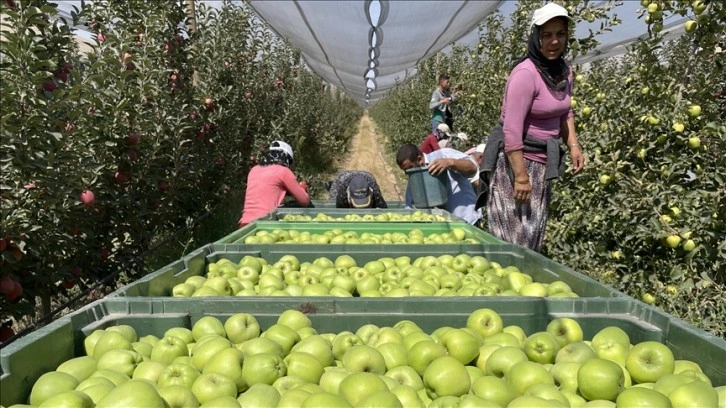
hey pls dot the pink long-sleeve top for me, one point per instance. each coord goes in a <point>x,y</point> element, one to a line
<point>266,188</point>
<point>530,108</point>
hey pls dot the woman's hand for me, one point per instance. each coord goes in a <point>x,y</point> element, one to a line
<point>578,159</point>
<point>522,190</point>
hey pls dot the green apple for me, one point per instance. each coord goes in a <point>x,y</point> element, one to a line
<point>210,386</point>
<point>133,393</point>
<point>694,394</point>
<point>493,389</point>
<point>377,400</point>
<point>79,367</point>
<point>460,344</point>
<point>149,339</point>
<point>548,392</point>
<point>649,360</point>
<point>406,375</point>
<point>178,374</point>
<point>694,111</point>
<point>149,370</point>
<point>566,330</point>
<point>669,382</point>
<point>613,351</point>
<point>293,398</point>
<point>183,290</point>
<point>263,368</point>
<point>98,392</point>
<point>114,376</point>
<point>394,354</point>
<point>407,396</point>
<point>542,347</point>
<point>503,359</point>
<point>316,289</point>
<point>358,385</point>
<point>525,374</point>
<point>121,360</point>
<point>197,281</point>
<point>528,401</point>
<point>207,325</point>
<point>260,345</point>
<point>143,348</point>
<point>611,334</point>
<point>93,381</point>
<point>485,351</point>
<point>639,397</point>
<point>318,346</point>
<point>486,322</point>
<point>721,391</point>
<point>168,348</point>
<point>247,273</point>
<point>534,289</point>
<point>344,341</point>
<point>446,376</point>
<point>125,330</point>
<point>385,335</point>
<point>332,377</point>
<point>410,339</point>
<point>564,375</point>
<point>287,383</point>
<point>421,354</point>
<point>503,339</point>
<point>324,399</point>
<point>72,398</point>
<point>178,396</point>
<point>282,335</point>
<point>517,332</point>
<point>227,362</point>
<point>577,352</point>
<point>345,261</point>
<point>203,351</point>
<point>367,331</point>
<point>50,384</point>
<point>304,365</point>
<point>364,358</point>
<point>259,396</point>
<point>182,333</point>
<point>683,365</point>
<point>294,319</point>
<point>110,340</point>
<point>241,327</point>
<point>599,379</point>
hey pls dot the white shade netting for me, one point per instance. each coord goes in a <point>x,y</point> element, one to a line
<point>365,47</point>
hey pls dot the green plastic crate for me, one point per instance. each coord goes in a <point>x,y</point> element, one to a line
<point>338,214</point>
<point>238,236</point>
<point>542,269</point>
<point>23,361</point>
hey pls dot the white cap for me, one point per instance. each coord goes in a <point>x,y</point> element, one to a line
<point>443,127</point>
<point>547,13</point>
<point>279,145</point>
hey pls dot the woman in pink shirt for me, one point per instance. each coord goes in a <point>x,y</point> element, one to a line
<point>269,182</point>
<point>524,154</point>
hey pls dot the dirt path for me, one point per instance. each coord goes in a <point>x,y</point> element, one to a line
<point>368,153</point>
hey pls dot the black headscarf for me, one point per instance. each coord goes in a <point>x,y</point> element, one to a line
<point>555,73</point>
<point>276,157</point>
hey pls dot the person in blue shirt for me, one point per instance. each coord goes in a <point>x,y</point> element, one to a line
<point>458,166</point>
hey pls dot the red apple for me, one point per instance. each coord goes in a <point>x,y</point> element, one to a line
<point>6,333</point>
<point>68,283</point>
<point>61,75</point>
<point>163,185</point>
<point>104,253</point>
<point>132,154</point>
<point>121,177</point>
<point>248,95</point>
<point>132,139</point>
<point>16,292</point>
<point>208,102</point>
<point>67,67</point>
<point>88,198</point>
<point>77,271</point>
<point>3,244</point>
<point>49,86</point>
<point>7,285</point>
<point>101,37</point>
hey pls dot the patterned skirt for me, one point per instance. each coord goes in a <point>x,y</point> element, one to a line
<point>522,224</point>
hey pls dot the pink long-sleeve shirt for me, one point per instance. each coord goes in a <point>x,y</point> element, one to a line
<point>530,108</point>
<point>266,188</point>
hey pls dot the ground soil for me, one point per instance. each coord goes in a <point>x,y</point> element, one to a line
<point>369,152</point>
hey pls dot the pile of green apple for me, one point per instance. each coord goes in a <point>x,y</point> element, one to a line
<point>445,275</point>
<point>415,216</point>
<point>290,364</point>
<point>338,236</point>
